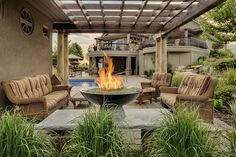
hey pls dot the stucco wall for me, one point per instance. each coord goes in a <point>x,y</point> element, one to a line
<point>22,55</point>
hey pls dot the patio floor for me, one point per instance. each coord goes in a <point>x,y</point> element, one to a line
<point>135,81</point>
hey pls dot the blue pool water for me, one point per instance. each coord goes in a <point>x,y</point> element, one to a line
<point>82,82</point>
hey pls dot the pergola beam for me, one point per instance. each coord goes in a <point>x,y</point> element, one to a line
<point>181,11</point>
<point>102,10</point>
<point>200,9</point>
<point>82,11</point>
<point>140,13</point>
<point>166,5</point>
<point>122,10</point>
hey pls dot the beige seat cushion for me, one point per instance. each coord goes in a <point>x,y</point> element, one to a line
<point>168,98</point>
<point>148,90</point>
<point>53,98</point>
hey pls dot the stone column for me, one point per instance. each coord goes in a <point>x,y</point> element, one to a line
<point>136,66</point>
<point>141,63</point>
<point>66,59</point>
<point>128,38</point>
<point>186,37</point>
<point>128,65</point>
<point>60,55</point>
<point>161,54</point>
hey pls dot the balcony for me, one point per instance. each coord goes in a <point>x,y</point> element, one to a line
<point>112,47</point>
<point>179,42</point>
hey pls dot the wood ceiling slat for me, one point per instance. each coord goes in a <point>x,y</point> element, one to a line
<point>102,10</point>
<point>84,14</point>
<point>122,11</point>
<point>140,12</point>
<point>134,15</point>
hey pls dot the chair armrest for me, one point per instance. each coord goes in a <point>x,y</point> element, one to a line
<point>164,89</point>
<point>29,101</point>
<point>201,98</point>
<point>60,87</point>
<point>146,84</point>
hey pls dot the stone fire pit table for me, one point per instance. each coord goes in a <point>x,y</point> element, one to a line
<point>64,120</point>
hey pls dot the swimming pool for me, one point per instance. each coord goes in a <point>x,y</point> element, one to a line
<point>82,82</point>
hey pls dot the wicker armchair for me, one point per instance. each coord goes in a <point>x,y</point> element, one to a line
<point>194,91</point>
<point>158,80</point>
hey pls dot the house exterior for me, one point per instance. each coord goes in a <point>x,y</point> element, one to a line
<point>135,53</point>
<point>74,60</point>
<point>123,48</point>
<point>23,52</point>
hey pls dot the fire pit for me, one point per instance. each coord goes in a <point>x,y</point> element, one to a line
<point>111,91</point>
<point>116,98</point>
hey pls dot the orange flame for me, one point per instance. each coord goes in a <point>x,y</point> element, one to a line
<point>105,80</point>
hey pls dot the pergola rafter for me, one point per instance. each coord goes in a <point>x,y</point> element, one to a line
<point>140,12</point>
<point>181,11</point>
<point>129,16</point>
<point>202,7</point>
<point>158,14</point>
<point>102,10</point>
<point>82,11</point>
<point>121,12</point>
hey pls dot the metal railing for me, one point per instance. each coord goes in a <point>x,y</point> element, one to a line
<point>113,47</point>
<point>179,42</point>
<point>188,42</point>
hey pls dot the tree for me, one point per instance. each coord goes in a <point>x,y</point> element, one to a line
<point>219,24</point>
<point>76,49</point>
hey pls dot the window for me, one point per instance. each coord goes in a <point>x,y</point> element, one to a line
<point>46,32</point>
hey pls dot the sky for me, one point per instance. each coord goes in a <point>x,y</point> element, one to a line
<point>83,39</point>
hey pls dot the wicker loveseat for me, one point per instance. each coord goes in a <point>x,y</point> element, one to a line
<point>158,80</point>
<point>194,91</point>
<point>35,96</point>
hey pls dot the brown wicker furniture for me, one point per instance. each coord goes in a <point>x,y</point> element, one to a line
<point>158,80</point>
<point>77,99</point>
<point>36,96</point>
<point>194,91</point>
<point>147,94</point>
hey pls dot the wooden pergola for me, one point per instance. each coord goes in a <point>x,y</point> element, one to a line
<point>158,17</point>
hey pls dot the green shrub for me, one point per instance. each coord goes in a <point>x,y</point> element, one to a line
<point>221,54</point>
<point>224,64</point>
<point>149,73</point>
<point>218,103</point>
<point>229,77</point>
<point>180,135</point>
<point>232,140</point>
<point>177,78</point>
<point>201,59</point>
<point>224,92</point>
<point>232,134</point>
<point>18,138</point>
<point>233,109</point>
<point>227,86</point>
<point>97,135</point>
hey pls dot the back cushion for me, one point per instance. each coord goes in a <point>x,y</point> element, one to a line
<point>45,83</point>
<point>36,87</point>
<point>161,79</point>
<point>194,85</point>
<point>21,88</point>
